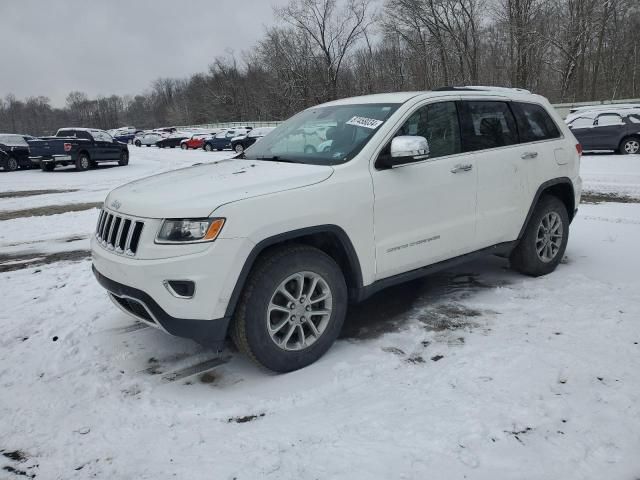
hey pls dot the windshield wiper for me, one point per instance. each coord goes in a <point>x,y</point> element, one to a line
<point>276,158</point>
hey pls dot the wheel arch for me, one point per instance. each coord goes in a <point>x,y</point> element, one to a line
<point>85,152</point>
<point>562,188</point>
<point>331,239</point>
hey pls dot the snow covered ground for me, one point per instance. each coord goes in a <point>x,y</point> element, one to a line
<point>474,373</point>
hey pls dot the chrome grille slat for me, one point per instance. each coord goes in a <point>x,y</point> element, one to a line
<point>118,233</point>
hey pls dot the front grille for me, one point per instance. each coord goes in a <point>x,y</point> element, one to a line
<point>119,234</point>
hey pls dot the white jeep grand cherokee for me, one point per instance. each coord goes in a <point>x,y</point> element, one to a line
<point>340,201</point>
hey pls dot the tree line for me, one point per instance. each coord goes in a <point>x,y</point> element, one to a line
<point>567,50</point>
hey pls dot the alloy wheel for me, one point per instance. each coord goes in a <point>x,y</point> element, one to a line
<point>549,237</point>
<point>632,146</point>
<point>299,311</point>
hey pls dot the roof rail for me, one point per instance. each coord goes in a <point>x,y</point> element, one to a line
<point>481,87</point>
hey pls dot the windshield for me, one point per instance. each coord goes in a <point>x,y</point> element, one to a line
<point>322,135</point>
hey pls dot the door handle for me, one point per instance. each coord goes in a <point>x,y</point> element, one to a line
<point>462,168</point>
<point>528,155</point>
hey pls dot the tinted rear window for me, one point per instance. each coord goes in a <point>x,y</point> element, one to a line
<point>534,123</point>
<point>13,141</point>
<point>487,124</point>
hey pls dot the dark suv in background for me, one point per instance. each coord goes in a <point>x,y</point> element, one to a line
<point>617,130</point>
<point>16,151</point>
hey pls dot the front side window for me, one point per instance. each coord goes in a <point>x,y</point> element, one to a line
<point>534,123</point>
<point>438,123</point>
<point>582,122</point>
<point>487,124</point>
<point>324,135</point>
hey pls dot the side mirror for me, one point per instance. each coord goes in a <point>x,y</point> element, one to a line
<point>404,149</point>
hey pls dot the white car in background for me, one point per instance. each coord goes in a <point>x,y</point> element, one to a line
<point>147,138</point>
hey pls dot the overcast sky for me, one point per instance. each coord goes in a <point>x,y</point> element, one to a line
<point>51,47</point>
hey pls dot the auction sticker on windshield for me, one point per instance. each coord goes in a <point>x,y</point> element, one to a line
<point>365,122</point>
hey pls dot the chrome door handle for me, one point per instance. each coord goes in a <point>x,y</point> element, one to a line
<point>528,155</point>
<point>462,168</point>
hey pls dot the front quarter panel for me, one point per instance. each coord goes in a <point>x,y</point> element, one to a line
<point>344,200</point>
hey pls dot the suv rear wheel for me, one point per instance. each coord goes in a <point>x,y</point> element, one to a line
<point>630,145</point>
<point>545,238</point>
<point>292,308</point>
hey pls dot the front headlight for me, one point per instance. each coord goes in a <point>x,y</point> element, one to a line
<point>189,230</point>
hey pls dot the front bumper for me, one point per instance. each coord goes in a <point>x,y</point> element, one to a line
<point>141,306</point>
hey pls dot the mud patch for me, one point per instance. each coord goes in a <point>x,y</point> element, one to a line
<point>48,210</point>
<point>9,263</point>
<point>448,317</point>
<point>31,193</point>
<point>245,419</point>
<point>596,198</point>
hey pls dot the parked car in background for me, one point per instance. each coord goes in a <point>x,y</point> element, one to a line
<point>222,140</point>
<point>16,149</point>
<point>279,253</point>
<point>126,137</point>
<point>195,141</point>
<point>84,147</point>
<point>173,140</point>
<point>240,144</point>
<point>147,138</point>
<point>614,129</point>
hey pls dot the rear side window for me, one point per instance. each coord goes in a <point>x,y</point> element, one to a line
<point>609,119</point>
<point>487,125</point>
<point>534,123</point>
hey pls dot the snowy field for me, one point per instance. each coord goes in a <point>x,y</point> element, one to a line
<point>474,373</point>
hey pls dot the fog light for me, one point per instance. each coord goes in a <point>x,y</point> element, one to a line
<point>180,288</point>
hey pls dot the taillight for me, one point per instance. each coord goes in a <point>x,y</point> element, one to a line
<point>579,148</point>
<point>67,147</point>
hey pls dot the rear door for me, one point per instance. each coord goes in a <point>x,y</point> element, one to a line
<point>607,130</point>
<point>489,131</point>
<point>110,149</point>
<point>425,211</point>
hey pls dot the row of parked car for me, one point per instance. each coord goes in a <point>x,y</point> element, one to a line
<point>86,147</point>
<point>82,147</point>
<point>607,127</point>
<point>237,139</point>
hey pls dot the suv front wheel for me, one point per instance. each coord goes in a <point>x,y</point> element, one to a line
<point>292,308</point>
<point>542,246</point>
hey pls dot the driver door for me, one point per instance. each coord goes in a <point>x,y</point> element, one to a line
<point>425,212</point>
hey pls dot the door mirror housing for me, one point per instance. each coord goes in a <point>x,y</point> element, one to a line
<point>404,149</point>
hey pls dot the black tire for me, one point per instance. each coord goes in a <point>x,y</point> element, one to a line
<point>47,167</point>
<point>249,327</point>
<point>525,257</point>
<point>11,165</point>
<point>138,143</point>
<point>239,148</point>
<point>629,145</point>
<point>219,149</point>
<point>83,163</point>
<point>184,146</point>
<point>207,147</point>
<point>124,159</point>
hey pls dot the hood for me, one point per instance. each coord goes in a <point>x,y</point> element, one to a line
<point>197,191</point>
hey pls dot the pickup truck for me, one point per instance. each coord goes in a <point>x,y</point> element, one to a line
<point>82,147</point>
